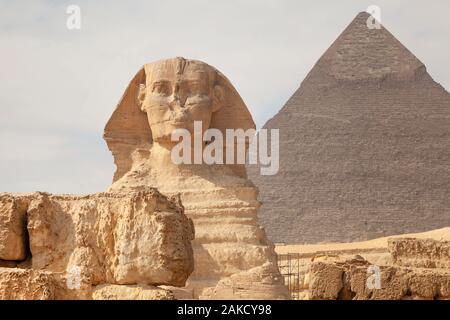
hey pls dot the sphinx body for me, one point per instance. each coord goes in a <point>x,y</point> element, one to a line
<point>232,256</point>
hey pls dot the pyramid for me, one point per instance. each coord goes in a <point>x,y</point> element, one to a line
<point>364,146</point>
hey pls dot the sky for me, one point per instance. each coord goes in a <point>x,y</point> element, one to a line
<point>58,87</point>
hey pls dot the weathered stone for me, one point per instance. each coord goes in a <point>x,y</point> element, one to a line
<point>23,284</point>
<point>138,237</point>
<point>180,293</point>
<point>420,253</point>
<point>348,280</point>
<point>256,283</point>
<point>130,292</point>
<point>325,281</point>
<point>394,284</point>
<point>13,240</point>
<point>112,238</point>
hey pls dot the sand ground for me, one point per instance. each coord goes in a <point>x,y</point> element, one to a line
<point>379,244</point>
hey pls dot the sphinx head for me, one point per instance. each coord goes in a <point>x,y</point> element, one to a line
<point>167,95</point>
<point>178,92</point>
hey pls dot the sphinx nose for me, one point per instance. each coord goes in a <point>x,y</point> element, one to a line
<point>176,100</point>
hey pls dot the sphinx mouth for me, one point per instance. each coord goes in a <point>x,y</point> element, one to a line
<point>175,120</point>
<point>179,119</point>
<point>178,123</point>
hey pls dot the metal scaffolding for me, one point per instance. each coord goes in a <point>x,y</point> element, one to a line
<point>289,265</point>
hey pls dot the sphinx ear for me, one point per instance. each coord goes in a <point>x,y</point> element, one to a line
<point>141,96</point>
<point>218,98</point>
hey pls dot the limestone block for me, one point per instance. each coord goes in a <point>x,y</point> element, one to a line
<point>112,238</point>
<point>23,284</point>
<point>394,284</point>
<point>420,253</point>
<point>348,280</point>
<point>259,283</point>
<point>325,281</point>
<point>130,292</point>
<point>12,228</point>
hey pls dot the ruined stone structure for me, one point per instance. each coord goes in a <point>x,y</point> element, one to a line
<point>106,245</point>
<point>337,278</point>
<point>364,146</point>
<point>231,250</point>
<point>426,253</point>
<point>400,267</point>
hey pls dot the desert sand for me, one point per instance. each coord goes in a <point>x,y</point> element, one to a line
<point>363,246</point>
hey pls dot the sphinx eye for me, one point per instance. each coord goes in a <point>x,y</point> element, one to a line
<point>161,88</point>
<point>195,87</point>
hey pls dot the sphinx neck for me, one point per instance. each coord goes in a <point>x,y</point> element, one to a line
<point>161,153</point>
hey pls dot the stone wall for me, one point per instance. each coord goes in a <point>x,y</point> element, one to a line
<point>427,253</point>
<point>417,270</point>
<point>71,244</point>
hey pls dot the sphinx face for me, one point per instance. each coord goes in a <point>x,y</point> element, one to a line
<point>177,93</point>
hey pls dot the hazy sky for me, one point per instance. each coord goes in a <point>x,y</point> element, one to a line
<point>59,87</point>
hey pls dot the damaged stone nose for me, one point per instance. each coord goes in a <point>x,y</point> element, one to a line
<point>176,100</point>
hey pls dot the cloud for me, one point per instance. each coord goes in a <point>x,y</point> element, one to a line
<point>59,87</point>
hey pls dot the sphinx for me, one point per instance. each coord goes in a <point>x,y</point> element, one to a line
<point>232,257</point>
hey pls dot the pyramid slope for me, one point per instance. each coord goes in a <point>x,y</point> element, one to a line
<point>364,147</point>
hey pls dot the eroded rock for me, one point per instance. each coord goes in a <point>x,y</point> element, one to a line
<point>349,280</point>
<point>26,284</point>
<point>13,240</point>
<point>106,238</point>
<point>112,238</point>
<point>420,253</point>
<point>130,292</point>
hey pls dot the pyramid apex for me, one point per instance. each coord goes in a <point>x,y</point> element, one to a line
<point>365,51</point>
<point>363,14</point>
